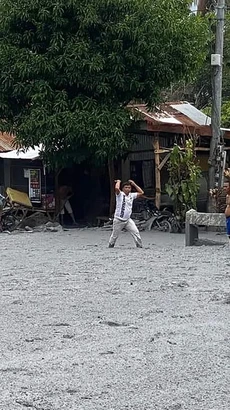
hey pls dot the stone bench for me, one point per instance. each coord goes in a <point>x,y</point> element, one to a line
<point>194,219</point>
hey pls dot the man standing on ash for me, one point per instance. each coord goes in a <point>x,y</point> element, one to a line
<point>124,205</point>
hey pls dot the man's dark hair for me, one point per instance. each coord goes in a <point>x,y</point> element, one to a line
<point>125,184</point>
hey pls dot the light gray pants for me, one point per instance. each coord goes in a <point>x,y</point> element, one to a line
<point>129,226</point>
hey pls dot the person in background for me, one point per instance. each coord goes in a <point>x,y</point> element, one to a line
<point>65,192</point>
<point>122,216</point>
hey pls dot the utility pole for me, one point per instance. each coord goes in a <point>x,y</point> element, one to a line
<point>216,147</point>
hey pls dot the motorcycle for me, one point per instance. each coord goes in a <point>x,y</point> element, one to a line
<point>176,225</point>
<point>8,220</point>
<point>150,217</point>
<point>156,219</point>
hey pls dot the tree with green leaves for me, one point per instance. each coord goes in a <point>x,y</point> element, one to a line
<point>199,90</point>
<point>68,68</point>
<point>184,175</point>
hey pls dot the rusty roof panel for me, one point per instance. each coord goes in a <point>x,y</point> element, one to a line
<point>176,117</point>
<point>7,142</point>
<point>179,112</point>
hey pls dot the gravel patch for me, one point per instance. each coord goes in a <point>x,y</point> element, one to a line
<point>84,327</point>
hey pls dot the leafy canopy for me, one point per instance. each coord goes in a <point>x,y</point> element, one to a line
<point>199,90</point>
<point>68,68</point>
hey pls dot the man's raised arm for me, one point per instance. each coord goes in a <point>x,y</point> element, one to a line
<point>140,191</point>
<point>117,186</point>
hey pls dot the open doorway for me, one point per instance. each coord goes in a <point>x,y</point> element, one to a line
<point>90,187</point>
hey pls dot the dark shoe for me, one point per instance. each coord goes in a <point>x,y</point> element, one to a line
<point>111,245</point>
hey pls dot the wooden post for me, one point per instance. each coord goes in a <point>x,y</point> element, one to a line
<point>156,146</point>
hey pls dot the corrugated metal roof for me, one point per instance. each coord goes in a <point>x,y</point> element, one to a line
<point>181,113</point>
<point>193,113</point>
<point>6,142</point>
<point>30,153</point>
<point>159,115</point>
<point>176,117</point>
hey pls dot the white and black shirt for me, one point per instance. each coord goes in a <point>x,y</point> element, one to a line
<point>124,205</point>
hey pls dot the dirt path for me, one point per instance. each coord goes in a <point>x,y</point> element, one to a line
<point>84,327</point>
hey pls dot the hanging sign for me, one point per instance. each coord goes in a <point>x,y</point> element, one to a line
<point>35,185</point>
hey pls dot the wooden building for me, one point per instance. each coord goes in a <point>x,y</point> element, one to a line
<point>155,133</point>
<point>24,171</point>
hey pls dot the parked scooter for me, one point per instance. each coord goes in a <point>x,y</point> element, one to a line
<point>153,218</point>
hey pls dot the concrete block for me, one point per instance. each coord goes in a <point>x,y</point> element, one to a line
<point>194,219</point>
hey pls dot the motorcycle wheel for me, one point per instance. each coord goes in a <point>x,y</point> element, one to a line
<point>165,226</point>
<point>10,223</point>
<point>175,228</point>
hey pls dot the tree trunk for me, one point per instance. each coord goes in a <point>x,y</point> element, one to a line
<point>111,169</point>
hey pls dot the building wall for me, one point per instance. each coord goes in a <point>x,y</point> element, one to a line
<point>140,166</point>
<point>17,178</point>
<point>13,176</point>
<point>203,161</point>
